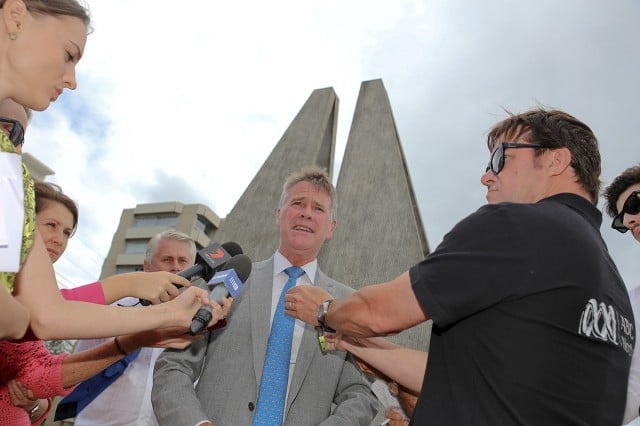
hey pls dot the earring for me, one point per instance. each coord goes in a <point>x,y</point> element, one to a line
<point>13,35</point>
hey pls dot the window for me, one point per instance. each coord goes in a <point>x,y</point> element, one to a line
<point>203,225</point>
<point>169,220</point>
<point>136,247</point>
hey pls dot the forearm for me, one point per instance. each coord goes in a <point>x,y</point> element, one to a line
<point>404,365</point>
<point>118,286</point>
<point>353,315</point>
<point>80,366</point>
<point>54,318</point>
<point>80,320</point>
<point>15,317</point>
<point>377,309</point>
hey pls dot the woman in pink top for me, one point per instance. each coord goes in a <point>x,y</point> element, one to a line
<point>30,375</point>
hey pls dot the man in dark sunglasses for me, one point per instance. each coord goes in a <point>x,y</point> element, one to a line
<point>623,201</point>
<point>532,323</point>
<point>623,204</point>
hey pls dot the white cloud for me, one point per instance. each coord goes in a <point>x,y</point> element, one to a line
<point>186,92</point>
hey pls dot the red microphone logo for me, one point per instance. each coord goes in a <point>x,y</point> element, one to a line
<point>219,253</point>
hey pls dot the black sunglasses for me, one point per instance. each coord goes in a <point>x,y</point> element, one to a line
<point>631,206</point>
<point>496,163</point>
<point>14,130</point>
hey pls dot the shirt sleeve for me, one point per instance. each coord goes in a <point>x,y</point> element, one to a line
<point>92,293</point>
<point>466,273</point>
<point>40,371</point>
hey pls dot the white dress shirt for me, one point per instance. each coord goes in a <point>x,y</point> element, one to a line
<point>127,401</point>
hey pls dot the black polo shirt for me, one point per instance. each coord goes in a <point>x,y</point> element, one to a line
<point>532,321</point>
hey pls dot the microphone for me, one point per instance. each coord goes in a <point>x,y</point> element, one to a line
<point>224,283</point>
<point>208,260</point>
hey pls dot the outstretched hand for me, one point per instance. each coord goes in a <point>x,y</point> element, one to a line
<point>407,398</point>
<point>155,287</point>
<point>176,337</point>
<point>340,342</point>
<point>302,302</point>
<point>158,287</point>
<point>183,308</point>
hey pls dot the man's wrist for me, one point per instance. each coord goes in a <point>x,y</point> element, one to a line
<point>323,309</point>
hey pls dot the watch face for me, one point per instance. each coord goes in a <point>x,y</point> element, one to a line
<point>322,312</point>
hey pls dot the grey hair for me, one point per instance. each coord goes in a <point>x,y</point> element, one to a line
<point>170,234</point>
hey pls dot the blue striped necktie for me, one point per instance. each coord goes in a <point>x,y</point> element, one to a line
<point>275,373</point>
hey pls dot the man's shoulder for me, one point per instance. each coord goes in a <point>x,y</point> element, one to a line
<point>258,266</point>
<point>262,263</point>
<point>335,287</point>
<point>547,207</point>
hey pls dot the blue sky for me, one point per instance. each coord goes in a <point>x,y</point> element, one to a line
<point>170,97</point>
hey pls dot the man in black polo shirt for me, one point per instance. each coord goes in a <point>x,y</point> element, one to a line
<point>532,321</point>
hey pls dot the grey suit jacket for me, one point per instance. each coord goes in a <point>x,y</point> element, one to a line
<point>228,366</point>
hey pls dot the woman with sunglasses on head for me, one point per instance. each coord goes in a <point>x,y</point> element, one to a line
<point>40,45</point>
<point>623,204</point>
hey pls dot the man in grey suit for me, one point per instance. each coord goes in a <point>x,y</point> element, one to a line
<point>325,389</point>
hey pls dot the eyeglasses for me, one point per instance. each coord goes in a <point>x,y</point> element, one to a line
<point>631,206</point>
<point>496,163</point>
<point>13,129</point>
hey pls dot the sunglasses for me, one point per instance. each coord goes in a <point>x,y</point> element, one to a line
<point>631,206</point>
<point>496,163</point>
<point>13,129</point>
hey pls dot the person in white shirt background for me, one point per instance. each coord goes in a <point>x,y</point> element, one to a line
<point>127,401</point>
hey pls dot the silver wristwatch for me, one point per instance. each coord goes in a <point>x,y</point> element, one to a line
<point>322,314</point>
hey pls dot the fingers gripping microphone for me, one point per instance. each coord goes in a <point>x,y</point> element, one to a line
<point>208,260</point>
<point>224,283</point>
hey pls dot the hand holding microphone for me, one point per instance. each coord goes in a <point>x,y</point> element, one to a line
<point>229,282</point>
<point>208,260</point>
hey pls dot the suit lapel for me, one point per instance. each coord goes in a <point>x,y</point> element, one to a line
<point>261,287</point>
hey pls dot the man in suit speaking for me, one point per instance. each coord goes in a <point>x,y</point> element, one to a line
<point>264,367</point>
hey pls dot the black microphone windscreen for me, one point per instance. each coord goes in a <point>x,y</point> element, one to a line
<point>241,264</point>
<point>232,248</point>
